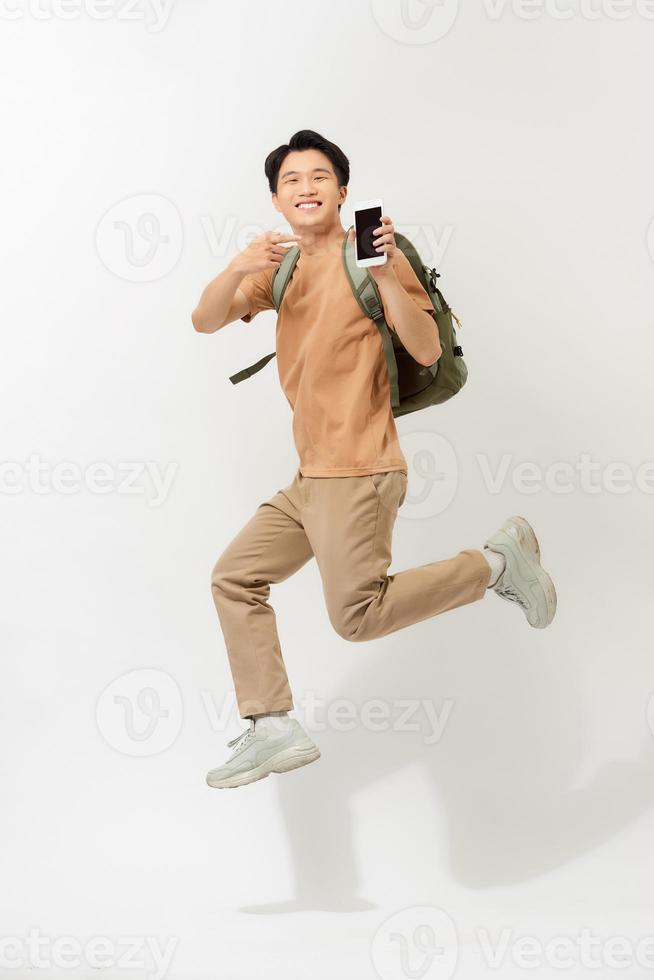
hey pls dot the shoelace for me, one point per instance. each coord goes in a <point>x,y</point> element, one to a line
<point>511,593</point>
<point>243,737</point>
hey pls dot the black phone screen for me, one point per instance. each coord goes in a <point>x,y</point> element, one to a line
<point>365,223</point>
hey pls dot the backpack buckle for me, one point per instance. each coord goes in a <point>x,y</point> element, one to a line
<point>433,276</point>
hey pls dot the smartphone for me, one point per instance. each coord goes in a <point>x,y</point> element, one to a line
<point>367,217</point>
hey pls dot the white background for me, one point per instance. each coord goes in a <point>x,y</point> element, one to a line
<point>521,142</point>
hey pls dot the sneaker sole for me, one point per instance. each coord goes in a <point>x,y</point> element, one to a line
<point>530,572</point>
<point>284,761</point>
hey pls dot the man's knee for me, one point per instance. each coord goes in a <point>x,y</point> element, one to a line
<point>230,581</point>
<point>221,577</point>
<point>346,626</point>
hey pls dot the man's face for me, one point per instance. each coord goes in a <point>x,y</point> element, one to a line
<point>306,176</point>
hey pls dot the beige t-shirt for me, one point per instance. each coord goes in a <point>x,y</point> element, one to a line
<point>332,367</point>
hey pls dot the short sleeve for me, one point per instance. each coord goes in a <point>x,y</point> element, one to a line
<point>409,280</point>
<point>257,287</point>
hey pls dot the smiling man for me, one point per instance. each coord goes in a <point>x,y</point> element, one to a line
<point>352,477</point>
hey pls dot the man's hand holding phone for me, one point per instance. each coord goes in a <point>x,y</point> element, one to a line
<point>383,242</point>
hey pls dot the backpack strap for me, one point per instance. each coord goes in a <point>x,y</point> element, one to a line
<point>252,369</point>
<point>367,296</point>
<point>283,273</point>
<point>280,280</point>
<point>365,292</point>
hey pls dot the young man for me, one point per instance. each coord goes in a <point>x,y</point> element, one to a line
<point>342,503</point>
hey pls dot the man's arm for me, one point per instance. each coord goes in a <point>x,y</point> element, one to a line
<point>416,328</point>
<point>403,297</point>
<point>221,302</point>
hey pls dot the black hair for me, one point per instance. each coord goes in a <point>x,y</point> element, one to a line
<point>307,139</point>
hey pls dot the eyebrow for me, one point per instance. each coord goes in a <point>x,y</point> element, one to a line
<point>314,171</point>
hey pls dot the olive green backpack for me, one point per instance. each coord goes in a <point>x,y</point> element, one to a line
<point>412,385</point>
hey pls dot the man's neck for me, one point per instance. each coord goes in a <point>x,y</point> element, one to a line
<point>320,242</point>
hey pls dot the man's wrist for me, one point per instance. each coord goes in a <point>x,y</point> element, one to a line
<point>389,283</point>
<point>388,278</point>
<point>233,269</point>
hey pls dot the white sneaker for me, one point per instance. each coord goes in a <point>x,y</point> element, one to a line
<point>523,580</point>
<point>260,751</point>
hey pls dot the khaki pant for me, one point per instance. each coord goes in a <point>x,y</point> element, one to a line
<point>346,523</point>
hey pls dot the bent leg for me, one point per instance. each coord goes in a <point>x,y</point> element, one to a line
<point>268,549</point>
<point>349,522</point>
